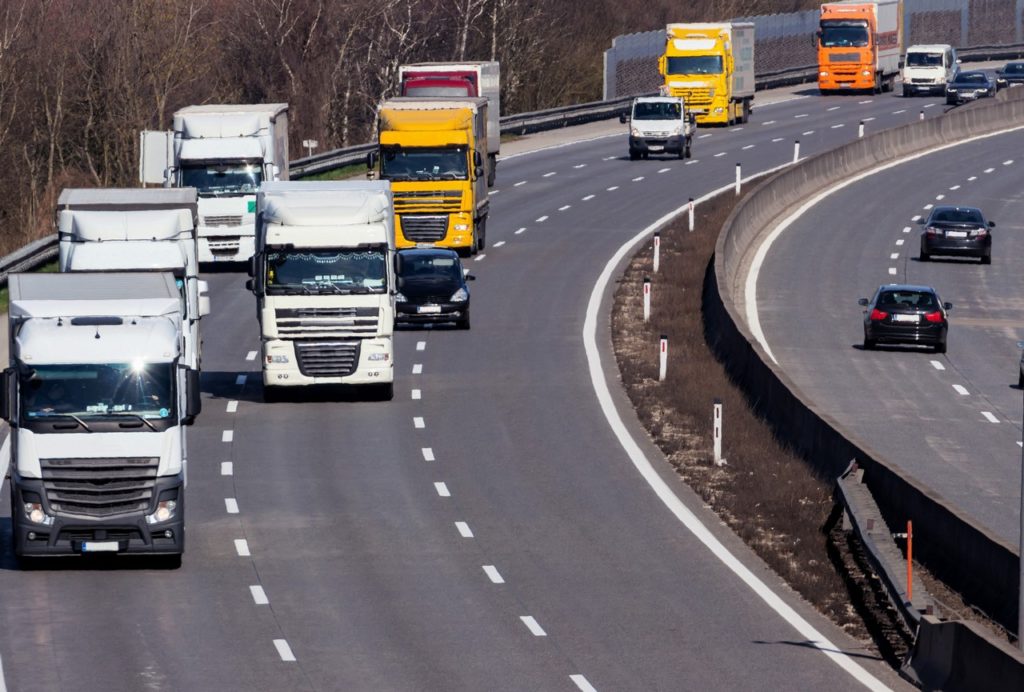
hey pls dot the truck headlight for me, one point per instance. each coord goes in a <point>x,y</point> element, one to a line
<point>635,132</point>
<point>823,73</point>
<point>277,359</point>
<point>461,227</point>
<point>165,510</point>
<point>400,298</point>
<point>460,296</point>
<point>866,73</point>
<point>35,514</point>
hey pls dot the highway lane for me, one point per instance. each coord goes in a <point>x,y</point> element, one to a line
<point>362,568</point>
<point>952,421</point>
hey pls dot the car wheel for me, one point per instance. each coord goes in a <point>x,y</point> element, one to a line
<point>924,256</point>
<point>634,154</point>
<point>940,347</point>
<point>869,344</point>
<point>463,323</point>
<point>987,259</point>
<point>1020,380</point>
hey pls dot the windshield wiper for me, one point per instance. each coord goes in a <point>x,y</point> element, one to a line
<point>119,414</point>
<point>71,416</point>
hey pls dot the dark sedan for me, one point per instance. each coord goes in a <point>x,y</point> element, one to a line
<point>1012,74</point>
<point>905,314</point>
<point>959,231</point>
<point>432,288</point>
<point>968,86</point>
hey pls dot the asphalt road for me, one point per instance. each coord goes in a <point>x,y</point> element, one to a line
<point>484,530</point>
<point>952,421</point>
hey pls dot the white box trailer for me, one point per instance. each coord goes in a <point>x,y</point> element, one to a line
<point>98,397</point>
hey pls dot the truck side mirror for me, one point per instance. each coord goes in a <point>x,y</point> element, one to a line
<point>251,269</point>
<point>168,176</point>
<point>204,306</point>
<point>693,118</point>
<point>250,285</point>
<point>371,160</point>
<point>193,396</point>
<point>816,39</point>
<point>399,262</point>
<point>478,160</point>
<point>275,172</point>
<point>661,66</point>
<point>9,395</point>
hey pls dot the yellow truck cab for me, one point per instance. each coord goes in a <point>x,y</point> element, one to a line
<point>433,151</point>
<point>711,67</point>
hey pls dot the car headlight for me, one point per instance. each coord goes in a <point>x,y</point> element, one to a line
<point>400,297</point>
<point>460,296</point>
<point>635,132</point>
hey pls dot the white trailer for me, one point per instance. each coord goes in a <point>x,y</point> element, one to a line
<point>134,229</point>
<point>324,279</point>
<point>463,80</point>
<point>97,396</point>
<point>226,152</point>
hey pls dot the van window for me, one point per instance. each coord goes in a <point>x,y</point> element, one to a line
<point>924,59</point>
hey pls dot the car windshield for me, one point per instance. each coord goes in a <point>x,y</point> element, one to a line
<point>657,110</point>
<point>694,64</point>
<point>924,59</point>
<point>433,268</point>
<point>424,163</point>
<point>218,179</point>
<point>97,390</point>
<point>326,271</point>
<point>844,35</point>
<point>907,299</point>
<point>1014,68</point>
<point>970,78</point>
<point>958,216</point>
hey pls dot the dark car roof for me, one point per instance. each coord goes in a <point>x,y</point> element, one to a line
<point>429,252</point>
<point>972,74</point>
<point>955,207</point>
<point>907,287</point>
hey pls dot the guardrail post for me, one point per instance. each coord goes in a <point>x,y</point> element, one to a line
<point>657,251</point>
<point>647,300</point>
<point>663,358</point>
<point>717,432</point>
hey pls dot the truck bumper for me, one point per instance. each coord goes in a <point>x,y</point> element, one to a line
<point>843,82</point>
<point>939,88</point>
<point>70,535</point>
<point>226,248</point>
<point>327,361</point>
<point>656,145</point>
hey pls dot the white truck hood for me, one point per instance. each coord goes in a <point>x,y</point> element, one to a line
<point>35,446</point>
<point>936,73</point>
<point>658,127</point>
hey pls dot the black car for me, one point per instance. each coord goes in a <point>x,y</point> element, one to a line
<point>957,231</point>
<point>432,288</point>
<point>968,86</point>
<point>1011,74</point>
<point>905,314</point>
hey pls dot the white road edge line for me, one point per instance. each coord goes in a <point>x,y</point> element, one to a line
<point>750,297</point>
<point>283,650</point>
<point>582,684</point>
<point>662,489</point>
<point>532,625</point>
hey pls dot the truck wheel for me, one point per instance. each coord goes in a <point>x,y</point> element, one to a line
<point>492,173</point>
<point>384,392</point>
<point>271,394</point>
<point>481,234</point>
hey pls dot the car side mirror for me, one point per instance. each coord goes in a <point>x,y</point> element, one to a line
<point>862,301</point>
<point>193,396</point>
<point>991,224</point>
<point>623,118</point>
<point>947,306</point>
<point>8,395</point>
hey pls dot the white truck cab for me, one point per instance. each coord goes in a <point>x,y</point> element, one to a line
<point>928,67</point>
<point>659,125</point>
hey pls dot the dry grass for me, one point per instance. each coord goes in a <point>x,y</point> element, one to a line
<point>766,494</point>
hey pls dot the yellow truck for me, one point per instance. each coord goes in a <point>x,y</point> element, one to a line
<point>711,67</point>
<point>434,153</point>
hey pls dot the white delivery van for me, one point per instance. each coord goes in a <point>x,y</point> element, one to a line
<point>927,69</point>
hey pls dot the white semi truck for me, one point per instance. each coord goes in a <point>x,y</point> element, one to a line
<point>136,229</point>
<point>226,152</point>
<point>324,279</point>
<point>97,396</point>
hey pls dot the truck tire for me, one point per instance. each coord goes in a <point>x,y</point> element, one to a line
<point>384,392</point>
<point>271,394</point>
<point>492,170</point>
<point>481,234</point>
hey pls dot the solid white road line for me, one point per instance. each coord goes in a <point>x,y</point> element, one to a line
<point>283,650</point>
<point>542,219</point>
<point>421,345</point>
<point>492,573</point>
<point>231,505</point>
<point>442,489</point>
<point>232,406</point>
<point>417,422</point>
<point>989,417</point>
<point>259,595</point>
<point>242,547</point>
<point>661,488</point>
<point>240,380</point>
<point>499,243</point>
<point>417,368</point>
<point>464,529</point>
<point>428,454</point>
<point>532,625</point>
<point>480,257</point>
<point>588,198</point>
<point>251,355</point>
<point>937,365</point>
<point>582,684</point>
<point>227,436</point>
<point>961,390</point>
<point>227,468</point>
<point>416,394</point>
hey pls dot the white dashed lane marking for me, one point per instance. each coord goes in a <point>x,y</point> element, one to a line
<point>548,175</point>
<point>937,365</point>
<point>1008,163</point>
<point>894,255</point>
<point>242,547</point>
<point>901,241</point>
<point>480,257</point>
<point>259,595</point>
<point>906,229</point>
<point>865,101</point>
<point>892,271</point>
<point>972,178</point>
<point>809,132</point>
<point>961,390</point>
<point>915,217</point>
<point>492,573</point>
<point>664,170</point>
<point>417,368</point>
<point>521,182</point>
<point>749,146</point>
<point>703,136</point>
<point>251,355</point>
<point>232,406</point>
<point>227,436</point>
<point>939,198</point>
<point>613,188</point>
<point>421,345</point>
<point>902,110</point>
<point>493,192</point>
<point>928,206</point>
<point>564,207</point>
<point>442,489</point>
<point>499,243</point>
<point>768,122</point>
<point>836,127</point>
<point>231,505</point>
<point>428,453</point>
<point>416,394</point>
<point>955,187</point>
<point>721,153</point>
<point>519,231</point>
<point>464,529</point>
<point>417,422</point>
<point>580,165</point>
<point>582,684</point>
<point>283,650</point>
<point>638,179</point>
<point>227,468</point>
<point>778,139</point>
<point>588,198</point>
<point>833,108</point>
<point>988,170</point>
<point>533,626</point>
<point>989,417</point>
<point>542,219</point>
<point>800,115</point>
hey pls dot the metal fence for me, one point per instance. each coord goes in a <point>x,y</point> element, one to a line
<point>784,41</point>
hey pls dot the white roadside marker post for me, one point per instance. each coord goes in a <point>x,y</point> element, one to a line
<point>921,117</point>
<point>739,176</point>
<point>719,461</point>
<point>796,150</point>
<point>647,299</point>
<point>691,213</point>
<point>860,129</point>
<point>657,251</point>
<point>663,354</point>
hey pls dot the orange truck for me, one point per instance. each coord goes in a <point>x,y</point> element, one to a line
<point>859,45</point>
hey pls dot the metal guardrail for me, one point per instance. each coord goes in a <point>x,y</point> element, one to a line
<point>28,258</point>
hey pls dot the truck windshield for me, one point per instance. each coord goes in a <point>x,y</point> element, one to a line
<point>222,179</point>
<point>327,271</point>
<point>424,163</point>
<point>427,91</point>
<point>924,59</point>
<point>844,34</point>
<point>97,390</point>
<point>663,110</point>
<point>695,64</point>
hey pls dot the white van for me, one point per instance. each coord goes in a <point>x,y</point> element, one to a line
<point>927,68</point>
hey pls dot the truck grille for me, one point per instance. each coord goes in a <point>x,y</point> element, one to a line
<point>223,245</point>
<point>295,323</point>
<point>694,97</point>
<point>99,487</point>
<point>844,57</point>
<point>428,201</point>
<point>222,220</point>
<point>327,358</point>
<point>420,228</point>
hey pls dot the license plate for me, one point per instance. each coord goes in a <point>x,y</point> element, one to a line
<point>906,318</point>
<point>428,309</point>
<point>845,85</point>
<point>956,234</point>
<point>99,546</point>
<point>655,147</point>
